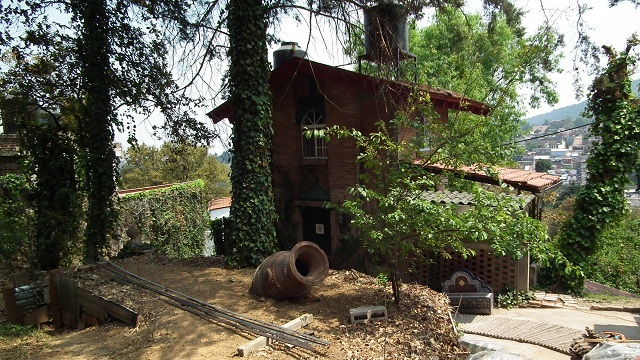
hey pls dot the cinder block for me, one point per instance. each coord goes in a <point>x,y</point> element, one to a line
<point>370,313</point>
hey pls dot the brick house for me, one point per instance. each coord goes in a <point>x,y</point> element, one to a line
<point>309,173</point>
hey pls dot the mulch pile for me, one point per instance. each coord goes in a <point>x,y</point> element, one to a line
<point>418,328</point>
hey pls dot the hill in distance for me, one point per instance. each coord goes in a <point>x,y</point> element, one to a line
<point>571,111</point>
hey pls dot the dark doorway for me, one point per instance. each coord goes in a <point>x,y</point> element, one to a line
<point>316,227</point>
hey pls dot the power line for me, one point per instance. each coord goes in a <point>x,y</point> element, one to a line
<point>547,135</point>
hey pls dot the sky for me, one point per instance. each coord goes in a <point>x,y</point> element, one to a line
<point>609,26</point>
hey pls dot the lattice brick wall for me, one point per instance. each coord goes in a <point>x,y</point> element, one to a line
<point>497,272</point>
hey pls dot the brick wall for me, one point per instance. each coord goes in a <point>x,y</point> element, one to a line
<point>293,176</point>
<point>9,165</point>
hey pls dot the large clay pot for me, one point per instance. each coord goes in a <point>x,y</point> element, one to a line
<point>290,274</point>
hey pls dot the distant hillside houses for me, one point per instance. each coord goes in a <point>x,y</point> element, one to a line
<point>566,150</point>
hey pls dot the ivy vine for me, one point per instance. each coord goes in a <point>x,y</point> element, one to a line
<point>601,201</point>
<point>172,220</point>
<point>252,215</point>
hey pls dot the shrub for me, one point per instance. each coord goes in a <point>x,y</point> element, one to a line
<point>512,298</point>
<point>173,220</point>
<point>617,261</point>
<point>219,228</point>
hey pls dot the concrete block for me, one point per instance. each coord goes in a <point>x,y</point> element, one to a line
<point>370,313</point>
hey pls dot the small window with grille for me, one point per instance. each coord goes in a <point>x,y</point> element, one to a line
<point>313,147</point>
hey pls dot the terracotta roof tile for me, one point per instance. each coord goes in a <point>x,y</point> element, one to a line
<point>532,181</point>
<point>219,203</point>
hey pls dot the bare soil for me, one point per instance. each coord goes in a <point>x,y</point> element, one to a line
<point>418,328</point>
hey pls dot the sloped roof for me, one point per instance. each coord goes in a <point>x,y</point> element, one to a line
<point>531,181</point>
<point>464,198</point>
<point>124,192</point>
<point>440,98</point>
<point>219,203</point>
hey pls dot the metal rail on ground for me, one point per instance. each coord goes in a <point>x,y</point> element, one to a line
<point>212,312</point>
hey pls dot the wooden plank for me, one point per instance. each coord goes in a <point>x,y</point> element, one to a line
<point>53,296</point>
<point>99,307</point>
<point>67,291</point>
<point>92,306</point>
<point>14,315</point>
<point>260,342</point>
<point>38,316</point>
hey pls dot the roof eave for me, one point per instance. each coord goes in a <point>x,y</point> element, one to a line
<point>439,98</point>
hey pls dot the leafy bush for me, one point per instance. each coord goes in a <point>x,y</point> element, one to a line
<point>173,220</point>
<point>219,228</point>
<point>617,261</point>
<point>15,219</point>
<point>12,332</point>
<point>512,298</point>
<point>15,331</point>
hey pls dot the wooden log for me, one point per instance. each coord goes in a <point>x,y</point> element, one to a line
<point>260,342</point>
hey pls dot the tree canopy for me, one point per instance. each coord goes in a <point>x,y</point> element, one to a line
<point>88,67</point>
<point>492,60</point>
<point>145,165</point>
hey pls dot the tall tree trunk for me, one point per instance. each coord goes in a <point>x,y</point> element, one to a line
<point>95,128</point>
<point>252,211</point>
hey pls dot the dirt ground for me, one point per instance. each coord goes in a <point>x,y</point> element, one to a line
<point>418,328</point>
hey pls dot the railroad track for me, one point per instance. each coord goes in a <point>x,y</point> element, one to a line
<point>211,312</point>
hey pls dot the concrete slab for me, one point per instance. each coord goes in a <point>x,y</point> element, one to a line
<point>618,321</point>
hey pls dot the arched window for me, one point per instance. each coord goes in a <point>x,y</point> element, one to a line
<point>313,147</point>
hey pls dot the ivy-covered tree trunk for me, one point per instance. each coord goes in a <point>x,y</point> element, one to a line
<point>95,129</point>
<point>601,201</point>
<point>252,214</point>
<point>56,226</point>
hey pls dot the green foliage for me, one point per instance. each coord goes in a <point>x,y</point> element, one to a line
<point>543,165</point>
<point>145,165</point>
<point>483,57</point>
<point>16,237</point>
<point>252,215</point>
<point>601,202</point>
<point>616,263</point>
<point>510,299</point>
<point>94,66</point>
<point>490,60</point>
<point>56,197</point>
<point>396,221</point>
<point>382,279</point>
<point>11,331</point>
<point>566,192</point>
<point>173,220</point>
<point>219,232</point>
